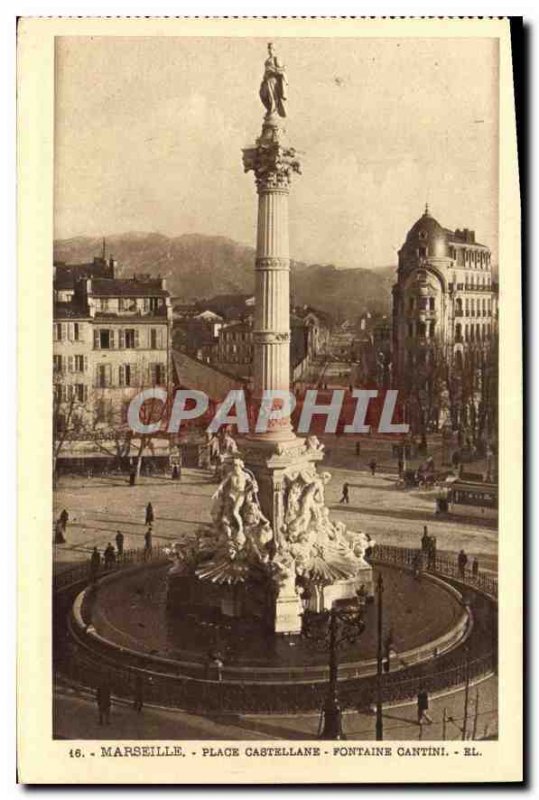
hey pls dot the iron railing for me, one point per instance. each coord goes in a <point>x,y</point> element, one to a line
<point>442,565</point>
<point>208,694</point>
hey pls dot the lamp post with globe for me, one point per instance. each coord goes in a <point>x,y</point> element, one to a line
<point>332,630</point>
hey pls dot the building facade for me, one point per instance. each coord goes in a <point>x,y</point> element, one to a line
<point>445,297</point>
<point>111,339</point>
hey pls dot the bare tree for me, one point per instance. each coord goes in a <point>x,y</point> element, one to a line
<point>67,421</point>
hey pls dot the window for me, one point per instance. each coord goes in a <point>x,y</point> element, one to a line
<point>57,363</point>
<point>129,339</point>
<point>80,365</point>
<point>103,375</point>
<point>81,392</point>
<point>127,304</point>
<point>155,339</point>
<point>157,374</point>
<point>432,303</point>
<point>76,331</point>
<point>104,339</point>
<point>126,375</point>
<point>104,411</point>
<point>432,328</point>
<point>421,329</point>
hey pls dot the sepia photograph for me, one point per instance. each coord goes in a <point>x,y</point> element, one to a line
<point>275,415</point>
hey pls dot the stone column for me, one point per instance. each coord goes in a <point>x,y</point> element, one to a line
<point>273,163</point>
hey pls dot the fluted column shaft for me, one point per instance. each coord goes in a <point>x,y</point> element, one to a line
<point>273,164</point>
<point>272,294</point>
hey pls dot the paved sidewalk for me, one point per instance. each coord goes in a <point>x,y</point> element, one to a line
<point>75,717</point>
<point>99,507</point>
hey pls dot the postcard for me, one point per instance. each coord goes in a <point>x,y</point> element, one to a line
<point>270,402</point>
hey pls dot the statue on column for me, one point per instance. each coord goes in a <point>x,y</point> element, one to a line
<point>273,89</point>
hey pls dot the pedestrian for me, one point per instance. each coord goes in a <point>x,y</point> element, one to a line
<point>138,694</point>
<point>64,518</point>
<point>148,541</point>
<point>109,556</point>
<point>175,472</point>
<point>95,563</point>
<point>462,560</point>
<point>431,553</point>
<point>423,706</point>
<point>103,702</point>
<point>417,565</point>
<point>180,463</point>
<point>59,537</point>
<point>400,466</point>
<point>358,448</point>
<point>218,666</point>
<point>345,494</point>
<point>149,514</point>
<point>119,543</point>
<point>475,568</point>
<point>425,539</point>
<point>372,466</point>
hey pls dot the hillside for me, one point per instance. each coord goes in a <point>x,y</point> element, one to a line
<point>198,266</point>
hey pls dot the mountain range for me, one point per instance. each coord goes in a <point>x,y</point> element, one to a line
<point>198,266</point>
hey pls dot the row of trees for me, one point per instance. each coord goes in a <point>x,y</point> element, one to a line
<point>457,389</point>
<point>75,420</point>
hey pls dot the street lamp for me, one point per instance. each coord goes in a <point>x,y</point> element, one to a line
<point>379,660</point>
<point>331,630</point>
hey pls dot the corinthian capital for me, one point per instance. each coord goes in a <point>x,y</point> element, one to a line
<point>272,165</point>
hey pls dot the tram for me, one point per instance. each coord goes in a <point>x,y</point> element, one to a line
<point>471,499</point>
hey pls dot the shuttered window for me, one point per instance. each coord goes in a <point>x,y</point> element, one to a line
<point>104,376</point>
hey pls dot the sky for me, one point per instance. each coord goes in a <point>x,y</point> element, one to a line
<point>149,133</point>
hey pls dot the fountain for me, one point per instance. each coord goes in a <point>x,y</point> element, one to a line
<point>272,547</point>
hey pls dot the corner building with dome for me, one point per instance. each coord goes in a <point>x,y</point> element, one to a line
<point>445,298</point>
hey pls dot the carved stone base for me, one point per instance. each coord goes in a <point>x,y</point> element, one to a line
<point>268,460</point>
<point>288,610</point>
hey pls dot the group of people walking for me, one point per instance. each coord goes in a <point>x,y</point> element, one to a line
<point>103,697</point>
<point>112,554</point>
